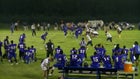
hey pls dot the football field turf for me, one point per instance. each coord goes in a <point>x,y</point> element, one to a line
<point>33,70</point>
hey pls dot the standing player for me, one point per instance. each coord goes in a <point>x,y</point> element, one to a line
<point>33,56</point>
<point>49,48</point>
<point>83,43</point>
<point>136,51</point>
<point>48,26</point>
<point>16,25</point>
<point>38,26</point>
<point>65,29</point>
<point>119,30</point>
<point>21,47</point>
<point>57,51</point>
<point>33,29</point>
<point>28,56</point>
<point>0,51</point>
<point>45,66</point>
<point>12,52</point>
<point>12,28</point>
<point>6,43</point>
<point>89,39</point>
<point>43,36</point>
<point>132,55</point>
<point>22,38</point>
<point>109,36</point>
<point>78,32</point>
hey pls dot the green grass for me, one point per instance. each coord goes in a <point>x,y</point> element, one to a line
<point>33,70</point>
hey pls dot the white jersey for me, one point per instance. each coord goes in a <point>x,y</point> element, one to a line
<point>16,24</point>
<point>119,28</point>
<point>88,37</point>
<point>45,62</point>
<point>33,26</point>
<point>108,34</point>
<point>83,43</point>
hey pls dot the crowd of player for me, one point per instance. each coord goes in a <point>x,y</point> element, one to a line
<point>26,54</point>
<point>99,58</point>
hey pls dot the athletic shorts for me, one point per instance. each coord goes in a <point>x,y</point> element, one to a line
<point>44,68</point>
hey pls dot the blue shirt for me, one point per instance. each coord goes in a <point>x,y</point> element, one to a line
<point>21,47</point>
<point>95,59</point>
<point>0,46</point>
<point>12,48</point>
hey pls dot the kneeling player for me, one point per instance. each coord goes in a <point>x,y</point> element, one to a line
<point>61,60</point>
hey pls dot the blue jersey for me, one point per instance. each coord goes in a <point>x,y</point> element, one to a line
<point>44,36</point>
<point>72,51</point>
<point>115,52</point>
<point>132,55</point>
<point>12,48</point>
<point>0,45</point>
<point>74,60</point>
<point>61,60</point>
<point>78,32</point>
<point>137,49</point>
<point>65,28</point>
<point>12,51</point>
<point>107,61</point>
<point>0,49</point>
<point>33,50</point>
<point>100,51</point>
<point>57,52</point>
<point>80,60</point>
<point>82,52</point>
<point>74,57</point>
<point>124,57</point>
<point>22,38</point>
<point>95,61</point>
<point>28,56</point>
<point>118,61</point>
<point>28,53</point>
<point>124,51</point>
<point>21,46</point>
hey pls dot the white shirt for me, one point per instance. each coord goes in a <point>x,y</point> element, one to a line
<point>16,24</point>
<point>33,26</point>
<point>83,43</point>
<point>108,34</point>
<point>88,37</point>
<point>45,62</point>
<point>119,28</point>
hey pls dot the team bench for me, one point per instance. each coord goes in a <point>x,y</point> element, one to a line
<point>86,70</point>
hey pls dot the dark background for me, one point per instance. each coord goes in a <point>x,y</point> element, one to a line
<point>69,10</point>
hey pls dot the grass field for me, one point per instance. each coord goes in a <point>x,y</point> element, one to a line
<point>33,70</point>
